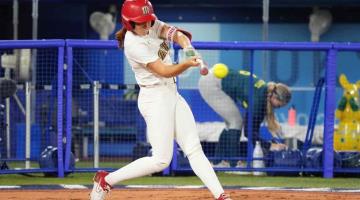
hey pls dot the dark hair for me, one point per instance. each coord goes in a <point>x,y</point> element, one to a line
<point>120,37</point>
<point>132,24</point>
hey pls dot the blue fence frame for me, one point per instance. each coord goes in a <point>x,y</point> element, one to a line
<point>60,45</point>
<point>330,83</point>
<point>289,46</point>
<point>70,44</point>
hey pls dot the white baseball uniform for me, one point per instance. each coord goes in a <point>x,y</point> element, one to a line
<point>166,113</point>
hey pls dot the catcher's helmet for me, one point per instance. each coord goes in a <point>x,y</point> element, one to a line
<point>138,11</point>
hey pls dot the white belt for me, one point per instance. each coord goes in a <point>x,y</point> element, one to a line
<point>170,82</point>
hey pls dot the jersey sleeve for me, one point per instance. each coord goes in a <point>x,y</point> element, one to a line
<point>158,25</point>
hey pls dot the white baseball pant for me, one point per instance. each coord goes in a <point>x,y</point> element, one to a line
<point>168,117</point>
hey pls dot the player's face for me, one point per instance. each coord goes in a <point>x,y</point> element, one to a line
<point>142,28</point>
<point>275,99</point>
<point>275,102</point>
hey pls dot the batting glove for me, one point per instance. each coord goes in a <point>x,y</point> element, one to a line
<point>190,52</point>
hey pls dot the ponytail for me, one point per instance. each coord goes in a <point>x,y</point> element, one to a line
<point>283,94</point>
<point>120,37</point>
<point>273,124</point>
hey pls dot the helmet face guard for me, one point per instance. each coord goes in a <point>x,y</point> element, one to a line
<point>138,11</point>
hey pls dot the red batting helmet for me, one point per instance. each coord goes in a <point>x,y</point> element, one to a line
<point>138,11</point>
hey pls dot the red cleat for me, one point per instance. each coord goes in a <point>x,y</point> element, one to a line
<point>100,188</point>
<point>224,196</point>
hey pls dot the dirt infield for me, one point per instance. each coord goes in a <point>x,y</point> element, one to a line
<point>174,194</point>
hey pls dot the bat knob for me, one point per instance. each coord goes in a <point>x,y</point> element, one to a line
<point>204,71</point>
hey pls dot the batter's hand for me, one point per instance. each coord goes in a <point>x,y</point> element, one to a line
<point>193,61</point>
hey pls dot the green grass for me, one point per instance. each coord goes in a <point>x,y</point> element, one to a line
<point>81,164</point>
<point>226,179</point>
<point>90,164</point>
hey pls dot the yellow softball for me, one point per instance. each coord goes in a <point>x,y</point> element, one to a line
<point>220,70</point>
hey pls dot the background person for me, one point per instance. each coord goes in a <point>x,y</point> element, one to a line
<point>223,89</point>
<point>145,40</point>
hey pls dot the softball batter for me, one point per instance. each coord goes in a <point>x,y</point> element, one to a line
<point>145,41</point>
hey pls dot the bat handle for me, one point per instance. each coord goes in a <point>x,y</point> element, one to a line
<point>203,67</point>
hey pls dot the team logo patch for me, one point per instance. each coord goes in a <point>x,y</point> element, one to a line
<point>145,10</point>
<point>164,49</point>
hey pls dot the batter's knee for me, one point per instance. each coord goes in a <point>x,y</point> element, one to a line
<point>193,151</point>
<point>161,164</point>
